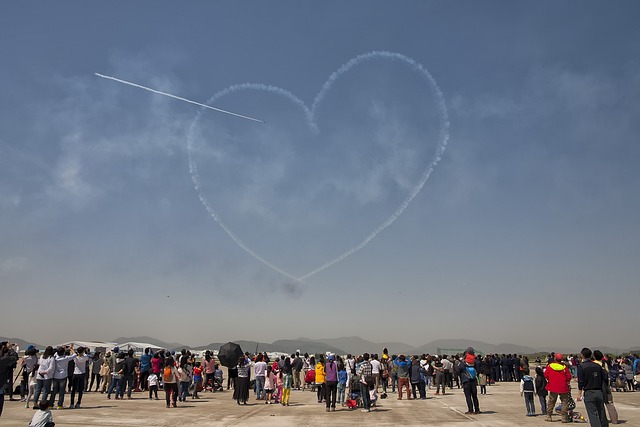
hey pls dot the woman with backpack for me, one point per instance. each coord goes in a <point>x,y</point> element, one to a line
<point>170,377</point>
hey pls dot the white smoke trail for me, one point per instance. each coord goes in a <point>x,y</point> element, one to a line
<point>310,117</point>
<point>176,97</point>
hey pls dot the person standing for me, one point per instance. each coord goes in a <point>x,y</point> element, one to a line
<point>403,366</point>
<point>96,366</point>
<point>447,367</point>
<point>8,358</point>
<point>29,362</point>
<point>61,373</point>
<point>145,368</point>
<point>79,377</point>
<point>130,365</point>
<point>438,371</point>
<point>241,390</point>
<point>320,378</point>
<point>608,398</point>
<point>208,367</point>
<point>260,370</point>
<point>297,369</point>
<point>558,377</point>
<point>170,376</point>
<point>541,389</point>
<point>591,377</point>
<point>44,378</point>
<point>331,383</point>
<point>287,381</point>
<point>376,368</point>
<point>468,373</point>
<point>365,374</point>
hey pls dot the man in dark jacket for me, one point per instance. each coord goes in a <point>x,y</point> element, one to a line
<point>468,372</point>
<point>8,358</point>
<point>591,377</point>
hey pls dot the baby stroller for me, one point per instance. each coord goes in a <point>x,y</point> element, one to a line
<point>354,400</point>
<point>214,384</point>
<point>618,379</point>
<point>310,379</point>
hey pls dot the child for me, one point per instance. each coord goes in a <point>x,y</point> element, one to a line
<point>541,389</point>
<point>342,383</point>
<point>279,381</point>
<point>482,382</point>
<point>197,380</point>
<point>32,386</point>
<point>527,388</point>
<point>269,385</point>
<point>373,397</point>
<point>152,381</point>
<point>42,417</point>
<point>184,373</point>
<point>287,382</point>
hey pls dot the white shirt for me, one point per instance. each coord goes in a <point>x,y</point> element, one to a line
<point>375,366</point>
<point>62,366</point>
<point>46,368</point>
<point>152,379</point>
<point>81,365</point>
<point>260,369</point>
<point>41,418</point>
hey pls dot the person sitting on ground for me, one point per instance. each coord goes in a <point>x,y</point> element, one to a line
<point>42,417</point>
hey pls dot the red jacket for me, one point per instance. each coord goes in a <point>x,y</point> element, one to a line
<point>558,377</point>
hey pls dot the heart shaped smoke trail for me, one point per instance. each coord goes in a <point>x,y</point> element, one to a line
<point>310,118</point>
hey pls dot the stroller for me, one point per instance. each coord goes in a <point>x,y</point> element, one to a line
<point>618,379</point>
<point>310,379</point>
<point>354,400</point>
<point>214,384</point>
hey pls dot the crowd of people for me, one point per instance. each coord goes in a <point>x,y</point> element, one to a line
<point>352,381</point>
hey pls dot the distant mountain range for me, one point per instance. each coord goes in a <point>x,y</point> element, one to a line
<point>357,345</point>
<point>23,344</point>
<point>353,345</point>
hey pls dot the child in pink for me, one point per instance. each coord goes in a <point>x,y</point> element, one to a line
<point>269,385</point>
<point>279,381</point>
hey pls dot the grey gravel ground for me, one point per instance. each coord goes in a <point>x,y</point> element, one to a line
<point>502,406</point>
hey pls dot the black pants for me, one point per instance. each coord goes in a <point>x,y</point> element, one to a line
<point>143,380</point>
<point>320,391</point>
<point>331,393</point>
<point>471,395</point>
<point>95,377</point>
<point>153,389</point>
<point>77,387</point>
<point>169,389</point>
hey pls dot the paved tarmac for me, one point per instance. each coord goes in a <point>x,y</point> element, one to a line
<point>502,406</point>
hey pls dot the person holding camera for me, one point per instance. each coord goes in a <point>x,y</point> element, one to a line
<point>29,364</point>
<point>8,358</point>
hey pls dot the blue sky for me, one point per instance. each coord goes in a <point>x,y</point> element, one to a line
<point>526,231</point>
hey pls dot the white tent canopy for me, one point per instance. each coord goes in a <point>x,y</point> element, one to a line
<point>138,347</point>
<point>92,345</point>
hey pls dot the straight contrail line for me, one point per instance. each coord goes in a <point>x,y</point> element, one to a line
<point>177,97</point>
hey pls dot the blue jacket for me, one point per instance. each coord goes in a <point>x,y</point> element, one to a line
<point>342,377</point>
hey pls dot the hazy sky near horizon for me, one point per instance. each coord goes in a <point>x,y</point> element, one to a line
<point>526,232</point>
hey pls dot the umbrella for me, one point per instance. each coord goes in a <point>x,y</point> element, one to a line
<point>229,354</point>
